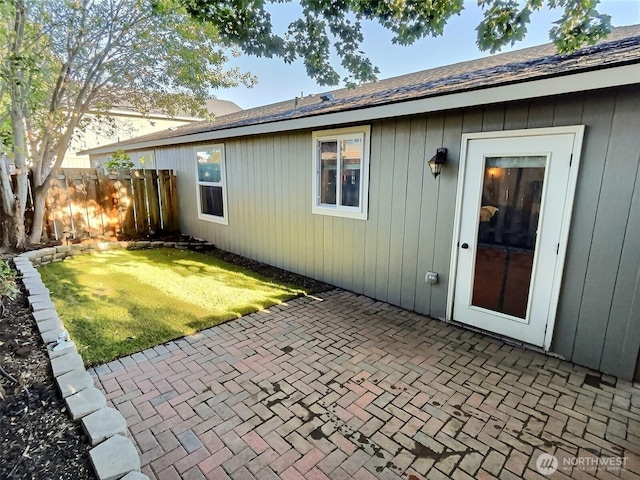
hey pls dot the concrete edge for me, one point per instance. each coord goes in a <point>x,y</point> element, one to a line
<point>69,372</point>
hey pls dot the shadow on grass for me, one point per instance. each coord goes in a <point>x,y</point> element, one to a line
<point>113,317</point>
<point>187,263</point>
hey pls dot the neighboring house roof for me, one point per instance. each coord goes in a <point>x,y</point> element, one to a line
<point>214,106</point>
<point>221,107</point>
<point>611,62</point>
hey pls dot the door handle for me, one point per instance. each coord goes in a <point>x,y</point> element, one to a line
<point>464,246</point>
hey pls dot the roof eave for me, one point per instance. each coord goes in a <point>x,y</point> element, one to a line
<point>525,90</point>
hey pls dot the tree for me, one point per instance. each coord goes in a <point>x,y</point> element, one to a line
<point>119,159</point>
<point>337,23</point>
<point>61,60</point>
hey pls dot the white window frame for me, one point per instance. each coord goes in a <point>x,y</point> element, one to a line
<point>224,219</point>
<point>358,213</point>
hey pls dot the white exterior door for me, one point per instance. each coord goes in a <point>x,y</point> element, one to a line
<point>514,206</point>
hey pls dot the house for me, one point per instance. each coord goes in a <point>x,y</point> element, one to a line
<point>531,231</point>
<point>126,122</point>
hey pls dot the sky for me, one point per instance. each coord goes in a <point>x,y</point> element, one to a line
<point>278,81</point>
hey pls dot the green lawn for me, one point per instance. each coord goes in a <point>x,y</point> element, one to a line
<point>118,302</point>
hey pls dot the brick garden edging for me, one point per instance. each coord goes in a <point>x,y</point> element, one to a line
<point>113,455</point>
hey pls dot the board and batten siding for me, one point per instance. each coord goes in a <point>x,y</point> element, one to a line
<point>410,225</point>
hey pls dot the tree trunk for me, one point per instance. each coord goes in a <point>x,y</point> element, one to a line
<point>13,232</point>
<point>11,210</point>
<point>39,210</point>
<point>4,234</point>
<point>17,234</point>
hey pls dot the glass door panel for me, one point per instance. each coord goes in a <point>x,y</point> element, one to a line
<point>509,215</point>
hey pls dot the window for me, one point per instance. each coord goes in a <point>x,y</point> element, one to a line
<point>341,172</point>
<point>211,191</point>
<point>143,160</point>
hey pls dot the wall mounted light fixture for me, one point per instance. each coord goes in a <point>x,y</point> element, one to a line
<point>437,161</point>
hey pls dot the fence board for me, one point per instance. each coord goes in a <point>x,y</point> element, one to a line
<point>168,201</point>
<point>57,205</point>
<point>107,193</point>
<point>153,207</point>
<point>72,204</point>
<point>172,205</point>
<point>139,202</point>
<point>126,202</point>
<point>94,223</point>
<point>129,203</point>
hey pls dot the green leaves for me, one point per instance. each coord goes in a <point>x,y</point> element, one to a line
<point>8,285</point>
<point>92,55</point>
<point>242,22</point>
<point>580,24</point>
<point>505,23</point>
<point>328,29</point>
<point>410,21</point>
<point>119,159</point>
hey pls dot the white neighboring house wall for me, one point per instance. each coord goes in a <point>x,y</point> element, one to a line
<point>127,127</point>
<point>127,124</point>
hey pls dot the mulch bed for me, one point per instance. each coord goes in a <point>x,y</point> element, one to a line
<point>38,440</point>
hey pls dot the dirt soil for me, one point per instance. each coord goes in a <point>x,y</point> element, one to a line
<point>313,286</point>
<point>38,439</point>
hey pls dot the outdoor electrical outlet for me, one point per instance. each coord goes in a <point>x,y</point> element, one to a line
<point>431,277</point>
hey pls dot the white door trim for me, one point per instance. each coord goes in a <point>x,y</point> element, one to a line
<point>578,132</point>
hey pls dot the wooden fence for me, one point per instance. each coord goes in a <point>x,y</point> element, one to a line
<point>86,202</point>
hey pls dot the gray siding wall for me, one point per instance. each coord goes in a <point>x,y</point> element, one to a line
<point>410,225</point>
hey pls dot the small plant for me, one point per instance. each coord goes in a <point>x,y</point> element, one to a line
<point>8,286</point>
<point>119,159</point>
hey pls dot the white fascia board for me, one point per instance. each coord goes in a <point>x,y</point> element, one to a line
<point>593,80</point>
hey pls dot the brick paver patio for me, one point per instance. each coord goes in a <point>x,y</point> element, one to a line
<point>345,387</point>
